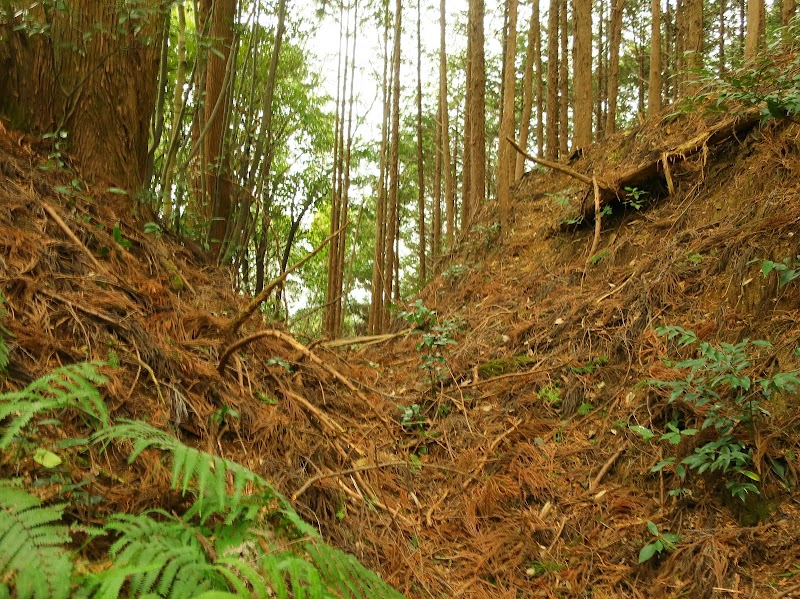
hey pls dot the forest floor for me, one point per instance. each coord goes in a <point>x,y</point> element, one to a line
<point>517,473</point>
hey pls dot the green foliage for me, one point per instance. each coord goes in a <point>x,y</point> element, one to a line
<point>773,89</point>
<point>436,338</point>
<point>663,541</point>
<point>227,544</point>
<point>32,553</point>
<point>551,394</point>
<point>4,352</point>
<point>590,366</point>
<point>787,271</point>
<point>68,387</point>
<point>718,385</point>
<point>634,198</point>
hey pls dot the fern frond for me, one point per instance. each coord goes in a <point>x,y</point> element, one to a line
<point>72,386</point>
<point>32,552</point>
<point>171,559</point>
<point>189,465</point>
<point>344,574</point>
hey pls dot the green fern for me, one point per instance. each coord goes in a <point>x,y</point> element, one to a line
<point>32,553</point>
<point>4,353</point>
<point>207,472</point>
<point>73,386</point>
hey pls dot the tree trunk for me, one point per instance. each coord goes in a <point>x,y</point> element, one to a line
<point>563,81</point>
<point>392,259</point>
<point>217,201</point>
<point>654,93</point>
<point>449,192</point>
<point>615,37</point>
<point>693,47</point>
<point>506,159</point>
<point>539,79</point>
<point>552,80</point>
<point>477,112</point>
<point>754,41</point>
<point>788,9</point>
<point>582,77</point>
<point>423,275</point>
<point>527,93</point>
<point>80,80</point>
<point>376,308</point>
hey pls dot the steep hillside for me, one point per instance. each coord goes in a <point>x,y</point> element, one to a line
<point>508,455</point>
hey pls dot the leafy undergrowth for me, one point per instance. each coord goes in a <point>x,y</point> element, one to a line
<point>560,447</point>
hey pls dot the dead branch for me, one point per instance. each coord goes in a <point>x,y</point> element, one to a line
<point>364,340</point>
<point>239,320</point>
<point>604,470</point>
<point>553,165</point>
<point>319,477</point>
<point>597,225</point>
<point>312,357</point>
<point>64,227</point>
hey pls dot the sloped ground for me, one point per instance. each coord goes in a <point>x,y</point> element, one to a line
<point>521,477</point>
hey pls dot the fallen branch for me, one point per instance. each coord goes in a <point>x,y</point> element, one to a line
<point>553,165</point>
<point>364,340</point>
<point>604,470</point>
<point>64,227</point>
<point>235,324</point>
<point>319,477</point>
<point>597,225</point>
<point>295,344</point>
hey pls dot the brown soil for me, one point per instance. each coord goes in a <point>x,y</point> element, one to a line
<point>523,480</point>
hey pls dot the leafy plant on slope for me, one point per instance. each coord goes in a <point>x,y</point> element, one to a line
<point>217,547</point>
<point>719,386</point>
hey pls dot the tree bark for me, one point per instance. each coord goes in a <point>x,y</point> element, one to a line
<point>527,92</point>
<point>615,37</point>
<point>506,159</point>
<point>78,79</point>
<point>754,41</point>
<point>654,92</point>
<point>563,80</point>
<point>552,81</point>
<point>582,78</point>
<point>423,275</point>
<point>449,192</point>
<point>477,112</point>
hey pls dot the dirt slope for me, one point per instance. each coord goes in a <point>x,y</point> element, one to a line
<point>520,477</point>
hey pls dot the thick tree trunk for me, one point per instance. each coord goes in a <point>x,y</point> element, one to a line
<point>423,275</point>
<point>788,10</point>
<point>552,81</point>
<point>444,122</point>
<point>654,93</point>
<point>477,112</point>
<point>527,93</point>
<point>693,47</point>
<point>563,80</point>
<point>582,78</point>
<point>754,41</point>
<point>80,80</point>
<point>506,154</point>
<point>615,36</point>
<point>218,201</point>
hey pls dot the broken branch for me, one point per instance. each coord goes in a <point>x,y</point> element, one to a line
<point>237,322</point>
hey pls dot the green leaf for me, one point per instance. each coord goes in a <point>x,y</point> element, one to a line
<point>647,552</point>
<point>646,433</point>
<point>46,458</point>
<point>751,475</point>
<point>117,191</point>
<point>651,526</point>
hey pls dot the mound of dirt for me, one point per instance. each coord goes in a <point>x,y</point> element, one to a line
<point>515,473</point>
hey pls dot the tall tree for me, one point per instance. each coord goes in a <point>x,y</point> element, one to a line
<point>693,42</point>
<point>83,55</point>
<point>582,77</point>
<point>527,89</point>
<point>563,79</point>
<point>552,81</point>
<point>788,10</point>
<point>444,123</point>
<point>376,306</point>
<point>423,275</point>
<point>615,37</point>
<point>654,92</point>
<point>506,156</point>
<point>755,28</point>
<point>477,112</point>
<point>216,187</point>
